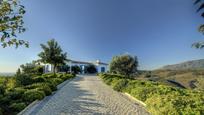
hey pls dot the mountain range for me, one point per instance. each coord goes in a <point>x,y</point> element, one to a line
<point>194,64</point>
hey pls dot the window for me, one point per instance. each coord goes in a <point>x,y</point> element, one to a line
<point>103,69</point>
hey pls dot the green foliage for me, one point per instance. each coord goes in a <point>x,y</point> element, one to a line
<point>160,99</point>
<point>119,84</point>
<point>24,79</point>
<point>41,87</point>
<point>52,54</point>
<point>66,76</point>
<point>11,23</point>
<point>200,45</point>
<point>39,79</point>
<point>64,68</point>
<point>124,65</point>
<point>18,72</point>
<point>1,111</point>
<point>17,106</point>
<point>15,98</point>
<point>76,69</point>
<point>32,68</point>
<point>175,104</point>
<point>57,80</point>
<point>46,89</point>
<point>90,69</point>
<point>2,89</point>
<point>33,94</point>
<point>15,93</point>
<point>52,85</point>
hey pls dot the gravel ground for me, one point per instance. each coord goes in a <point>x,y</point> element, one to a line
<point>88,95</point>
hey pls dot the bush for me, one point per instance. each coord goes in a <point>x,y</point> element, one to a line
<point>49,75</point>
<point>120,84</point>
<point>52,85</point>
<point>90,69</point>
<point>175,104</point>
<point>39,79</point>
<point>17,106</point>
<point>32,68</point>
<point>1,111</point>
<point>33,86</point>
<point>2,89</point>
<point>41,87</point>
<point>16,93</point>
<point>45,88</point>
<point>23,79</point>
<point>124,65</point>
<point>66,76</point>
<point>160,99</point>
<point>57,80</point>
<point>33,94</point>
<point>76,69</point>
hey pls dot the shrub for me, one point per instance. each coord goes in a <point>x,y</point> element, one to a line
<point>67,76</point>
<point>48,75</point>
<point>39,79</point>
<point>17,106</point>
<point>90,69</point>
<point>76,69</point>
<point>32,68</point>
<point>16,93</point>
<point>33,94</point>
<point>160,99</point>
<point>124,65</point>
<point>24,79</point>
<point>41,87</point>
<point>2,89</point>
<point>33,86</point>
<point>1,111</point>
<point>52,85</point>
<point>45,87</point>
<point>57,80</point>
<point>120,84</point>
<point>175,104</point>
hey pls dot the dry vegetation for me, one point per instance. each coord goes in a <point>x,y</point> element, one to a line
<point>190,79</point>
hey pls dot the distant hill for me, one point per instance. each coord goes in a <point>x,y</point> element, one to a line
<point>6,74</point>
<point>194,64</point>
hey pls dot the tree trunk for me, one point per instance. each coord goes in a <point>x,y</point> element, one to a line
<point>54,69</point>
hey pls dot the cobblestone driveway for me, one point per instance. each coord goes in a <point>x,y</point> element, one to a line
<point>88,95</point>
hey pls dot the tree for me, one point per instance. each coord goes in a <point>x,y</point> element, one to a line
<point>76,69</point>
<point>200,45</point>
<point>24,79</point>
<point>11,23</point>
<point>90,69</point>
<point>32,68</point>
<point>124,65</point>
<point>18,72</point>
<point>64,68</point>
<point>52,54</point>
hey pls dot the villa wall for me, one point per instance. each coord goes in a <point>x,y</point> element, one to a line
<point>101,67</point>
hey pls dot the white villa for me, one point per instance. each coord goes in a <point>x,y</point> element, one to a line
<point>100,66</point>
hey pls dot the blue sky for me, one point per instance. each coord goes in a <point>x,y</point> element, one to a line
<point>159,32</point>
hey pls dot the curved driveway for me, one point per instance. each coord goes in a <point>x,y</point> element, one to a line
<point>88,95</point>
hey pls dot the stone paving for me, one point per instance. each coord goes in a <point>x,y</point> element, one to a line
<point>87,95</point>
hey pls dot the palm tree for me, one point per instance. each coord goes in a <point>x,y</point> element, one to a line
<point>52,54</point>
<point>200,45</point>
